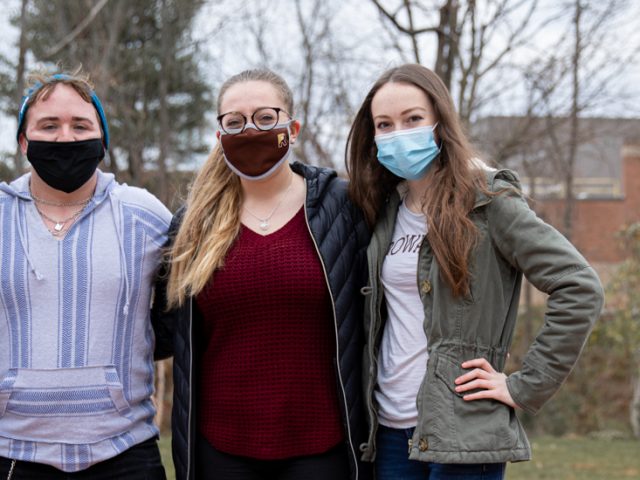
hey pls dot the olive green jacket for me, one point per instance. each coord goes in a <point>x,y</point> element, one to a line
<point>513,241</point>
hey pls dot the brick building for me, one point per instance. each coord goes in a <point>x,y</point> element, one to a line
<point>606,176</point>
<point>596,219</point>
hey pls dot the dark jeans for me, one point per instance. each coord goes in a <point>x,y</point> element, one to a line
<point>211,463</point>
<point>140,462</point>
<point>392,462</point>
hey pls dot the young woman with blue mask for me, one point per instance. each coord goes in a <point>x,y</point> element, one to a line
<point>452,239</point>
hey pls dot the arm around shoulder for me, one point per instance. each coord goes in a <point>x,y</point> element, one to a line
<point>163,320</point>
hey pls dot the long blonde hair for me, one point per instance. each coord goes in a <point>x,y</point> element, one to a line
<point>211,220</point>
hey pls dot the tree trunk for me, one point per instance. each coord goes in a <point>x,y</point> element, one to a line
<point>528,288</point>
<point>165,130</point>
<point>447,42</point>
<point>17,159</point>
<point>635,400</point>
<point>414,35</point>
<point>574,128</point>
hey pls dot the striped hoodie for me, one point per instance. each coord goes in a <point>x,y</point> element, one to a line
<point>76,344</point>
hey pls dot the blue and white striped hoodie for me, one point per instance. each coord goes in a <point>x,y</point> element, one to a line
<point>76,344</point>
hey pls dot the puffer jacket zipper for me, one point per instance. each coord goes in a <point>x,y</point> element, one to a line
<point>190,438</point>
<point>374,316</point>
<point>343,394</point>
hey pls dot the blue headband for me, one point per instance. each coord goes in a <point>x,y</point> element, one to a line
<point>61,76</point>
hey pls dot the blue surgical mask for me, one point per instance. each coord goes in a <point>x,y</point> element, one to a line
<point>408,153</point>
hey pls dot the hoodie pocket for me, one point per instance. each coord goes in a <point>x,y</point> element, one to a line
<point>479,425</point>
<point>64,405</point>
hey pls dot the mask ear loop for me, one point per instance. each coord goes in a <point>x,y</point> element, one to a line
<point>433,131</point>
<point>440,159</point>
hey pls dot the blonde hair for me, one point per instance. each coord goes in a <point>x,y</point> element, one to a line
<point>212,218</point>
<point>210,225</point>
<point>40,84</point>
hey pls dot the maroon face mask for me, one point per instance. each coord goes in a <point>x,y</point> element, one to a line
<point>256,154</point>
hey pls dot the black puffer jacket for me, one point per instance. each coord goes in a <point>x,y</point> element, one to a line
<point>341,236</point>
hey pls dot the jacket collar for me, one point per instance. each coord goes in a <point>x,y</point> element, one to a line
<point>491,175</point>
<point>482,198</point>
<point>317,179</point>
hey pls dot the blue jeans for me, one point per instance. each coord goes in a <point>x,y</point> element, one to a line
<point>392,462</point>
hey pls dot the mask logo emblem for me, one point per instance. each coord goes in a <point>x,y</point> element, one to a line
<point>282,140</point>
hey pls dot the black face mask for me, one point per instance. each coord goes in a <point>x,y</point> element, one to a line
<point>65,166</point>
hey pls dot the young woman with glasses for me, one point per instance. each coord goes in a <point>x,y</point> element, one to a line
<point>265,270</point>
<point>451,242</point>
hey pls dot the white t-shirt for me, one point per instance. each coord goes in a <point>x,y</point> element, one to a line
<point>403,351</point>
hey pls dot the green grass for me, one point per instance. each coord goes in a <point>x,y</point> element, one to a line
<point>554,458</point>
<point>579,458</point>
<point>165,451</point>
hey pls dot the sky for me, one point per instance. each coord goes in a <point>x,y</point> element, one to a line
<point>7,125</point>
<point>221,24</point>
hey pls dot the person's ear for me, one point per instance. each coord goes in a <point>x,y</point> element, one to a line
<point>23,142</point>
<point>218,134</point>
<point>294,128</point>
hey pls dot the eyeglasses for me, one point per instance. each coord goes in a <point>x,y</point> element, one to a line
<point>264,119</point>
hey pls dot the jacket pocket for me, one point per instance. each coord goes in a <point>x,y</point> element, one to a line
<point>65,405</point>
<point>478,425</point>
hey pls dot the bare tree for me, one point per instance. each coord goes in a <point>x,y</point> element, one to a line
<point>574,125</point>
<point>317,66</point>
<point>314,28</point>
<point>448,39</point>
<point>20,69</point>
<point>78,29</point>
<point>163,110</point>
<point>464,32</point>
<point>634,414</point>
<point>446,31</point>
<point>576,85</point>
<point>473,56</point>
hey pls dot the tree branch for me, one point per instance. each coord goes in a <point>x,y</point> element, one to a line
<point>409,31</point>
<point>71,36</point>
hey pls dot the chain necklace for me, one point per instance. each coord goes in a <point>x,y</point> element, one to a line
<point>60,204</point>
<point>264,222</point>
<point>58,228</point>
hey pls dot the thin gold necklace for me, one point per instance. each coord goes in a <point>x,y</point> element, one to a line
<point>264,222</point>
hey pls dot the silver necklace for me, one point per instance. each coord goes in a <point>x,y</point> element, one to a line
<point>59,224</point>
<point>59,204</point>
<point>264,222</point>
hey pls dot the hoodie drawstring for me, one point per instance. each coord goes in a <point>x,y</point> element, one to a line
<point>16,215</point>
<point>123,261</point>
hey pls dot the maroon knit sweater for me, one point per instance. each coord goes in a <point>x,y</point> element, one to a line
<point>268,388</point>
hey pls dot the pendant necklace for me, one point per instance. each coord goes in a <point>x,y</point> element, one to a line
<point>59,224</point>
<point>264,222</point>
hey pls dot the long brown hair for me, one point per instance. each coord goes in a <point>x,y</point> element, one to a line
<point>212,217</point>
<point>451,195</point>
